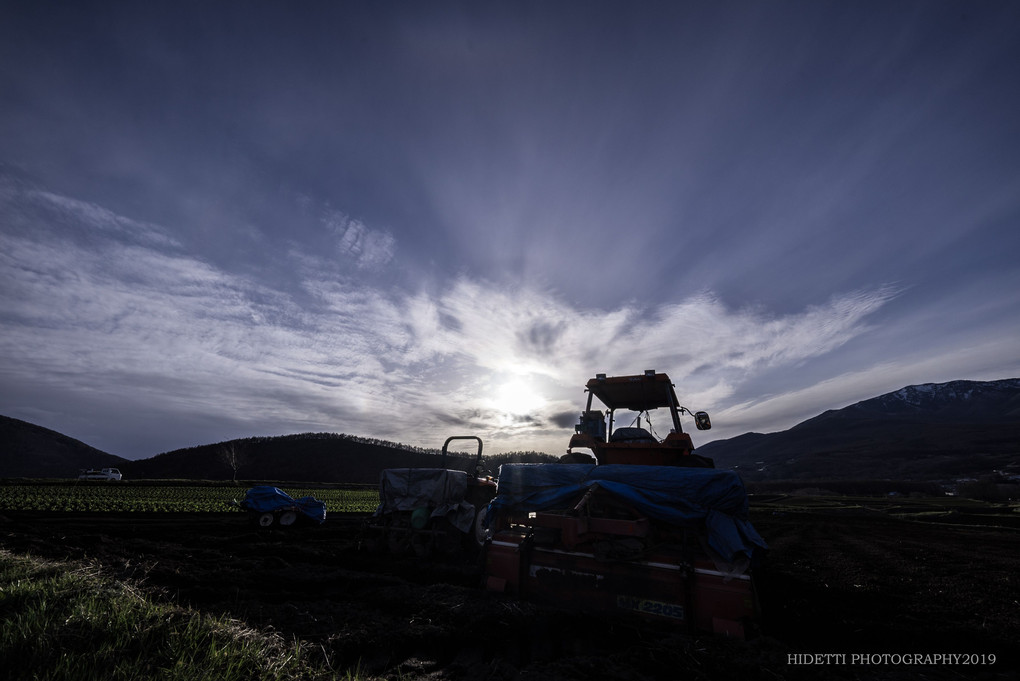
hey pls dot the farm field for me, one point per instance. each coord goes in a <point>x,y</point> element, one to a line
<point>846,576</point>
<point>157,497</point>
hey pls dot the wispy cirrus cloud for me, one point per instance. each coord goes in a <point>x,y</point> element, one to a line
<point>397,225</point>
<point>370,248</point>
<point>129,315</point>
<point>786,408</point>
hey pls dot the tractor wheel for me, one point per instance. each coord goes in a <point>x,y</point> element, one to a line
<point>480,531</point>
<point>287,518</point>
<point>266,519</point>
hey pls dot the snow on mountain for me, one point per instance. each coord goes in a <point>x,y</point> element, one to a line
<point>980,401</point>
<point>931,431</point>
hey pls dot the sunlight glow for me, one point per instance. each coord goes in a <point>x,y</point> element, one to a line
<point>518,397</point>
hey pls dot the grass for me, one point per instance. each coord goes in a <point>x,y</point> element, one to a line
<point>60,621</point>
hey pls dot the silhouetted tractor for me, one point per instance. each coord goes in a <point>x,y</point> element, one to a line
<point>640,526</point>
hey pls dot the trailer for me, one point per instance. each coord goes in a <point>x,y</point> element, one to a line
<point>424,511</point>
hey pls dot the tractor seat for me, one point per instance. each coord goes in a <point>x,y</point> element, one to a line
<point>631,435</point>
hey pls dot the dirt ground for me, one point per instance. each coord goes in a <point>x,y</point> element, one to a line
<point>838,584</point>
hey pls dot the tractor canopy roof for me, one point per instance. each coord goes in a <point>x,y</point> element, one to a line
<point>636,393</point>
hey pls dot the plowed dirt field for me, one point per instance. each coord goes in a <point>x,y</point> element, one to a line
<point>896,593</point>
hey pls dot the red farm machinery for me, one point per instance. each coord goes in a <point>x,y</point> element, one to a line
<point>640,525</point>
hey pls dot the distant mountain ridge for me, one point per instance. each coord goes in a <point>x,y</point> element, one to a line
<point>31,451</point>
<point>931,431</point>
<point>961,401</point>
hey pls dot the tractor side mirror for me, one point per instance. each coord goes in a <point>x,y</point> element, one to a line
<point>702,421</point>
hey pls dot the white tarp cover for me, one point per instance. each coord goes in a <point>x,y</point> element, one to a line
<point>438,489</point>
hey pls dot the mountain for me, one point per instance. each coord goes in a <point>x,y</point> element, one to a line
<point>31,451</point>
<point>313,457</point>
<point>956,401</point>
<point>309,457</point>
<point>933,431</point>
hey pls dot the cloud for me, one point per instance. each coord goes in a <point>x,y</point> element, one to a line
<point>981,361</point>
<point>371,249</point>
<point>135,322</point>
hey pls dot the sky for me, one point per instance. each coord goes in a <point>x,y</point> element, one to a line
<point>411,220</point>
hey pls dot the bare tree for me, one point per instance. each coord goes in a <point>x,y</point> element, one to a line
<point>234,455</point>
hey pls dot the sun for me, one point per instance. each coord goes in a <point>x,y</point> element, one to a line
<point>517,397</point>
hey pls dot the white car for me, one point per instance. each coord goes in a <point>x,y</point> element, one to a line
<point>99,474</point>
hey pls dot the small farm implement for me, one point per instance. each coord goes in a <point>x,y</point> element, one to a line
<point>270,506</point>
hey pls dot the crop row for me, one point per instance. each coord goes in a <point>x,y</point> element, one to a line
<point>112,497</point>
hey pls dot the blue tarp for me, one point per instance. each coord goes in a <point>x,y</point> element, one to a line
<point>269,499</point>
<point>676,495</point>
